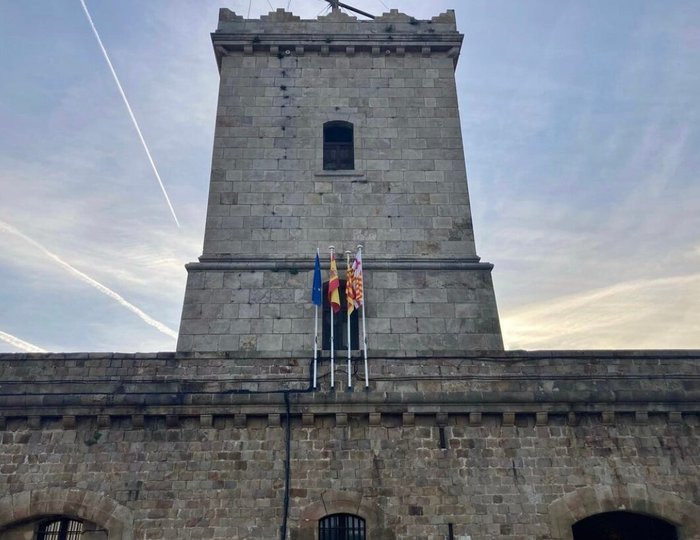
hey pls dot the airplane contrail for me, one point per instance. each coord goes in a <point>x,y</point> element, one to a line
<point>19,343</point>
<point>131,113</point>
<point>90,281</point>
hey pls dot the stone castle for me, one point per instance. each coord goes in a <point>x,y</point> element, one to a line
<point>345,131</point>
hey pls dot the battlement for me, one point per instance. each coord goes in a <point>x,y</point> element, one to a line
<point>283,33</point>
<point>275,21</point>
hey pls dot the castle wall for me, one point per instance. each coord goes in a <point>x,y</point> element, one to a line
<point>189,449</point>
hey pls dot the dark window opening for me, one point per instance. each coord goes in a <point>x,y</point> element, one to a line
<point>338,149</point>
<point>623,526</point>
<point>340,324</point>
<point>443,439</point>
<point>60,529</point>
<point>341,527</point>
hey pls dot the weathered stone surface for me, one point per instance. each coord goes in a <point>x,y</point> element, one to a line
<point>272,205</point>
<point>224,456</point>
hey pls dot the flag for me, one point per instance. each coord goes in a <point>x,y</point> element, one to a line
<point>357,281</point>
<point>333,285</point>
<point>316,294</point>
<point>350,291</point>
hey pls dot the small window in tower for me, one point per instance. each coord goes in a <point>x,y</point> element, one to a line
<point>60,529</point>
<point>338,150</point>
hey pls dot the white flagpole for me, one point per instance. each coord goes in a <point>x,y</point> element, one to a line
<point>315,343</point>
<point>364,326</point>
<point>347,305</point>
<point>332,250</point>
<point>316,332</point>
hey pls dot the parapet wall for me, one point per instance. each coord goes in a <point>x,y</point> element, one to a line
<point>507,384</point>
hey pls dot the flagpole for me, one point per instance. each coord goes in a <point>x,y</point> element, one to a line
<point>316,339</point>
<point>364,326</point>
<point>315,344</point>
<point>347,308</point>
<point>332,250</point>
<point>317,299</point>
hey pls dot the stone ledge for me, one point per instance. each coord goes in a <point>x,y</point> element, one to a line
<point>272,417</point>
<point>340,174</point>
<point>511,357</point>
<point>563,355</point>
<point>229,263</point>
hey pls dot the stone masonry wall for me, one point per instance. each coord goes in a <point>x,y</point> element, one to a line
<point>271,204</point>
<point>226,481</point>
<point>182,446</point>
<point>269,195</point>
<point>409,312</point>
<point>394,81</point>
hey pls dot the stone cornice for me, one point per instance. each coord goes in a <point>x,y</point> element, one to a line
<point>282,33</point>
<point>306,263</point>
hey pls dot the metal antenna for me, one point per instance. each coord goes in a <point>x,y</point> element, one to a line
<point>337,4</point>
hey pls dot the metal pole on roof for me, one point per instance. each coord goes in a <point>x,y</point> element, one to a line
<point>337,4</point>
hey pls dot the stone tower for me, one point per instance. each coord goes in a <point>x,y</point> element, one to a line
<point>338,131</point>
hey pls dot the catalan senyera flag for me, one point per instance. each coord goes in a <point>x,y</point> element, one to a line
<point>350,291</point>
<point>357,281</point>
<point>333,285</point>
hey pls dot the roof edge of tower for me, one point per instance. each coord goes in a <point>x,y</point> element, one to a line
<point>281,33</point>
<point>228,17</point>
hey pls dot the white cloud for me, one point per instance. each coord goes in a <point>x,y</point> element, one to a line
<point>659,313</point>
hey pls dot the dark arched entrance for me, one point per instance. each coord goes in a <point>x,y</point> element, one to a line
<point>623,526</point>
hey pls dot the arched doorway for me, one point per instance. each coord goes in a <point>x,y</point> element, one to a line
<point>640,499</point>
<point>53,513</point>
<point>622,525</point>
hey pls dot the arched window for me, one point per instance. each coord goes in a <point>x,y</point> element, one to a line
<point>341,527</point>
<point>338,150</point>
<point>623,526</point>
<point>60,529</point>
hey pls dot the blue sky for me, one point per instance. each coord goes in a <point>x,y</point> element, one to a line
<point>581,133</point>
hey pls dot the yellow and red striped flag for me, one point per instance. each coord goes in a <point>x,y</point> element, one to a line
<point>350,290</point>
<point>333,285</point>
<point>357,281</point>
